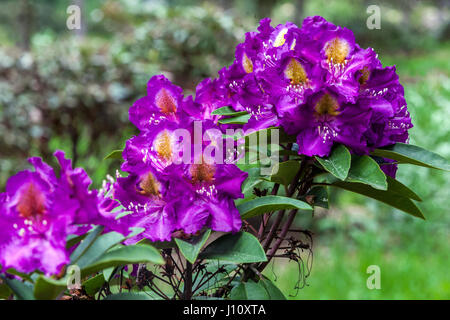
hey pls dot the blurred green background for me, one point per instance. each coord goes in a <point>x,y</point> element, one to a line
<point>71,90</point>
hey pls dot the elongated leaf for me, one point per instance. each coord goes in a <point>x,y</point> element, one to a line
<point>190,249</point>
<point>242,119</point>
<point>99,247</point>
<point>47,288</point>
<point>23,291</point>
<point>266,204</point>
<point>86,243</point>
<point>116,154</point>
<point>92,285</point>
<point>124,255</point>
<point>366,170</point>
<point>74,239</point>
<point>249,291</point>
<point>284,172</point>
<point>389,197</point>
<point>5,291</point>
<point>272,290</point>
<point>399,188</point>
<point>227,111</point>
<point>241,247</point>
<point>408,153</point>
<point>338,163</point>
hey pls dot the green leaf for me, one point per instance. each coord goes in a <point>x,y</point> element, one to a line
<point>317,196</point>
<point>20,274</point>
<point>47,288</point>
<point>227,111</point>
<point>98,248</point>
<point>241,247</point>
<point>266,204</point>
<point>366,170</point>
<point>190,249</point>
<point>285,172</point>
<point>249,291</point>
<point>92,285</point>
<point>5,291</point>
<point>389,197</point>
<point>242,119</point>
<point>338,162</point>
<point>23,291</point>
<point>73,239</point>
<point>108,272</point>
<point>115,154</point>
<point>399,188</point>
<point>123,256</point>
<point>272,290</point>
<point>408,153</point>
<point>86,243</point>
<point>158,244</point>
<point>130,296</point>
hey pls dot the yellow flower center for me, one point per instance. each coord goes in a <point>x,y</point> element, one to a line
<point>365,74</point>
<point>337,50</point>
<point>295,72</point>
<point>280,40</point>
<point>166,102</point>
<point>327,105</point>
<point>31,202</point>
<point>149,186</point>
<point>202,172</point>
<point>247,64</point>
<point>164,146</point>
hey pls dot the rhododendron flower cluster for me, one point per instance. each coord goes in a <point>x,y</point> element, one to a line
<point>39,210</point>
<point>317,83</point>
<point>164,194</point>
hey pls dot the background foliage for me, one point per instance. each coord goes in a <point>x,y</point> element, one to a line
<point>71,90</point>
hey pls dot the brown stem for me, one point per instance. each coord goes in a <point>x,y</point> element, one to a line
<point>188,281</point>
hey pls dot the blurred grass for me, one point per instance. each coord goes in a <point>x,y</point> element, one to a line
<point>356,232</point>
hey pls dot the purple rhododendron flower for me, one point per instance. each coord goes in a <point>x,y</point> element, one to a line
<point>39,210</point>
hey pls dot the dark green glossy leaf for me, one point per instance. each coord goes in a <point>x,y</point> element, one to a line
<point>47,288</point>
<point>284,172</point>
<point>93,284</point>
<point>5,291</point>
<point>116,154</point>
<point>86,243</point>
<point>366,170</point>
<point>22,290</point>
<point>98,248</point>
<point>408,153</point>
<point>389,197</point>
<point>191,248</point>
<point>74,239</point>
<point>266,204</point>
<point>338,162</point>
<point>123,256</point>
<point>272,290</point>
<point>227,111</point>
<point>249,291</point>
<point>241,247</point>
<point>399,188</point>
